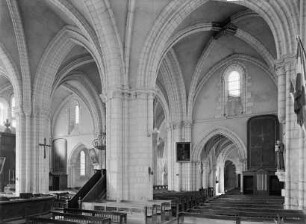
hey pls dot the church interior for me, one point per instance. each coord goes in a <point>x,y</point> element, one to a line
<point>170,111</point>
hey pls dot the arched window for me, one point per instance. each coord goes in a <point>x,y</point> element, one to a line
<point>233,83</point>
<point>234,90</point>
<point>13,108</point>
<point>82,163</point>
<point>77,114</point>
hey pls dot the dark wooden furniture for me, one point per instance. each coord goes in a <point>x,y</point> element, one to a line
<point>263,131</point>
<point>58,181</point>
<point>7,150</point>
<point>18,208</point>
<point>259,179</point>
<point>117,217</point>
<point>80,218</point>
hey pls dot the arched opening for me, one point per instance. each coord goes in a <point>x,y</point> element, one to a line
<point>80,167</point>
<point>7,136</point>
<point>222,164</point>
<point>159,142</point>
<point>230,176</point>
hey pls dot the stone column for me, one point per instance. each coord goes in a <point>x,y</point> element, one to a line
<point>114,145</point>
<point>287,139</point>
<point>20,152</point>
<point>281,83</point>
<point>29,154</point>
<point>205,175</point>
<point>175,166</point>
<point>140,145</point>
<point>221,179</point>
<point>187,125</point>
<point>170,164</point>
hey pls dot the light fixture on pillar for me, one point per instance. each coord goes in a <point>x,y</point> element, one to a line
<point>100,142</point>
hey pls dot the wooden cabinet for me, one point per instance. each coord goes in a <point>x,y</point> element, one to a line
<point>7,150</point>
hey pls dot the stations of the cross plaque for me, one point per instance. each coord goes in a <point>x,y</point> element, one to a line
<point>44,145</point>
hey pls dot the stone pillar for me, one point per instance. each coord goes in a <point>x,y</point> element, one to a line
<point>198,175</point>
<point>187,125</point>
<point>243,167</point>
<point>281,83</point>
<point>154,153</point>
<point>140,146</point>
<point>29,154</point>
<point>114,145</point>
<point>170,164</point>
<point>20,153</point>
<point>221,179</point>
<point>205,175</point>
<point>175,167</point>
<point>288,140</point>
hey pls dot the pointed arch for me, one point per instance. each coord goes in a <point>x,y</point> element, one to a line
<point>11,72</point>
<point>232,136</point>
<point>198,84</point>
<point>176,11</point>
<point>50,62</point>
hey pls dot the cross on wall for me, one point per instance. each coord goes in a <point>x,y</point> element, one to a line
<point>44,145</point>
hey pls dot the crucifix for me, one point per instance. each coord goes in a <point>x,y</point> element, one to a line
<point>44,145</point>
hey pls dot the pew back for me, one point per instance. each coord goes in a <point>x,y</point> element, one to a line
<point>80,218</point>
<point>117,217</point>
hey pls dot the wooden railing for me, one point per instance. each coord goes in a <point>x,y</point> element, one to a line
<point>98,191</point>
<point>117,217</point>
<point>74,202</point>
<point>80,218</point>
<point>36,220</point>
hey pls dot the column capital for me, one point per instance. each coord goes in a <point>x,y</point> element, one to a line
<point>187,123</point>
<point>128,93</point>
<point>284,59</point>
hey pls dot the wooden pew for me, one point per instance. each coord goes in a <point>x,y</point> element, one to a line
<point>80,218</point>
<point>145,211</point>
<point>38,220</point>
<point>15,209</point>
<point>182,201</point>
<point>117,217</point>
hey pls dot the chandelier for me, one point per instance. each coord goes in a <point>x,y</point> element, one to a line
<point>100,142</point>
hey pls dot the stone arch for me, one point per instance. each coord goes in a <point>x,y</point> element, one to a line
<point>23,55</point>
<point>52,58</point>
<point>83,25</point>
<point>163,102</point>
<point>11,72</point>
<point>103,18</point>
<point>197,85</point>
<point>176,11</point>
<point>197,149</point>
<point>241,34</point>
<point>91,100</point>
<point>74,176</point>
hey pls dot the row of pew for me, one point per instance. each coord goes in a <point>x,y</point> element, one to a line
<point>68,215</point>
<point>165,205</point>
<point>184,201</point>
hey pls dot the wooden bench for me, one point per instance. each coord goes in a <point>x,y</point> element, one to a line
<point>117,217</point>
<point>37,220</point>
<point>80,218</point>
<point>143,211</point>
<point>15,209</point>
